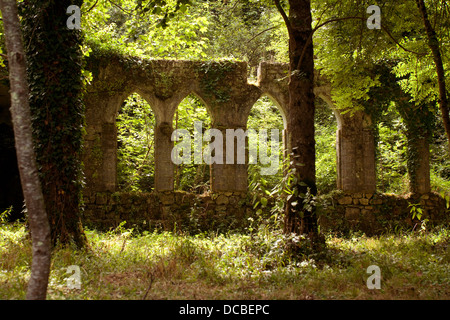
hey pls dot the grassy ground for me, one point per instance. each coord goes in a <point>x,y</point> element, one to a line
<point>122,265</point>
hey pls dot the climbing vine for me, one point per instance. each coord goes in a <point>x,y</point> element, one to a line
<point>213,73</point>
<point>55,80</point>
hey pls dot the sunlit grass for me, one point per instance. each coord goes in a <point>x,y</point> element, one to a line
<point>123,265</point>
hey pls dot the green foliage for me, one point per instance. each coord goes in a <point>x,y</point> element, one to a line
<point>132,29</point>
<point>325,135</point>
<point>4,216</point>
<point>122,264</point>
<point>392,155</point>
<point>135,147</point>
<point>416,211</point>
<point>54,65</point>
<point>192,177</point>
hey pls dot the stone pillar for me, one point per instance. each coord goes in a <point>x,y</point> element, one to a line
<point>355,150</point>
<point>109,150</point>
<point>164,167</point>
<point>233,176</point>
<point>419,168</point>
<point>100,142</point>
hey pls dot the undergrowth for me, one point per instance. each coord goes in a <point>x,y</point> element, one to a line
<point>122,264</point>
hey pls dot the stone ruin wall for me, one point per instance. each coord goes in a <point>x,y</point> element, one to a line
<point>228,96</point>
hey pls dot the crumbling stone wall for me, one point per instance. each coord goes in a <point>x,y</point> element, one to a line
<point>228,96</point>
<point>371,213</point>
<point>169,210</point>
<point>374,213</point>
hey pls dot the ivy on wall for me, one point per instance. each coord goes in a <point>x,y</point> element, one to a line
<point>418,120</point>
<point>55,80</point>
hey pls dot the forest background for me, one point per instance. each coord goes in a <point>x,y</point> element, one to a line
<point>356,60</point>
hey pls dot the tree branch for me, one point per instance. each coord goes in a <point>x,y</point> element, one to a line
<point>350,18</point>
<point>285,17</point>
<point>91,7</point>
<point>260,33</point>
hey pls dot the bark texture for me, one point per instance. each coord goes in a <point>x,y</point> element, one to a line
<point>300,217</point>
<point>20,112</point>
<point>55,82</point>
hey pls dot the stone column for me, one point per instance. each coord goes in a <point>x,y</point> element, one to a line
<point>229,176</point>
<point>100,142</point>
<point>419,167</point>
<point>164,167</point>
<point>355,150</point>
<point>109,150</point>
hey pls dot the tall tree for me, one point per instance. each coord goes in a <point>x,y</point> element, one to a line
<point>433,43</point>
<point>20,113</point>
<point>55,79</point>
<point>300,217</point>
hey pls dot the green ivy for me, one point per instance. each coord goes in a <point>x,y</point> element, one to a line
<point>56,81</point>
<point>211,75</point>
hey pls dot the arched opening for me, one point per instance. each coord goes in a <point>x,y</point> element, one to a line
<point>392,144</point>
<point>191,116</point>
<point>135,145</point>
<point>326,125</point>
<point>266,164</point>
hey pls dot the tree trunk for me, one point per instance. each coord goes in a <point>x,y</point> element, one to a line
<point>433,43</point>
<point>55,81</point>
<point>20,112</point>
<point>300,217</point>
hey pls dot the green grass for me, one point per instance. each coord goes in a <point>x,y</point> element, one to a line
<point>123,265</point>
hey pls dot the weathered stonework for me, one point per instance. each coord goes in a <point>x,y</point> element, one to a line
<point>168,210</point>
<point>374,213</point>
<point>228,96</point>
<point>370,213</point>
<point>224,89</point>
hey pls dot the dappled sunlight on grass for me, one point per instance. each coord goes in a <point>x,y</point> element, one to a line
<point>121,264</point>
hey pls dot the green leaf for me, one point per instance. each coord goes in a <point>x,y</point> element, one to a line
<point>264,201</point>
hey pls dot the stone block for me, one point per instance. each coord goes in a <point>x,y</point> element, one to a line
<point>364,201</point>
<point>345,200</point>
<point>376,201</point>
<point>167,198</point>
<point>352,213</point>
<point>101,199</point>
<point>222,199</point>
<point>165,212</point>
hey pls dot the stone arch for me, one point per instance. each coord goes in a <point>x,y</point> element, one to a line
<point>200,166</point>
<point>355,147</point>
<point>281,107</point>
<point>100,152</point>
<point>282,112</point>
<point>142,110</point>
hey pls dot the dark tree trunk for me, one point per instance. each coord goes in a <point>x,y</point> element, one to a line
<point>433,43</point>
<point>55,79</point>
<point>300,218</point>
<point>20,112</point>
